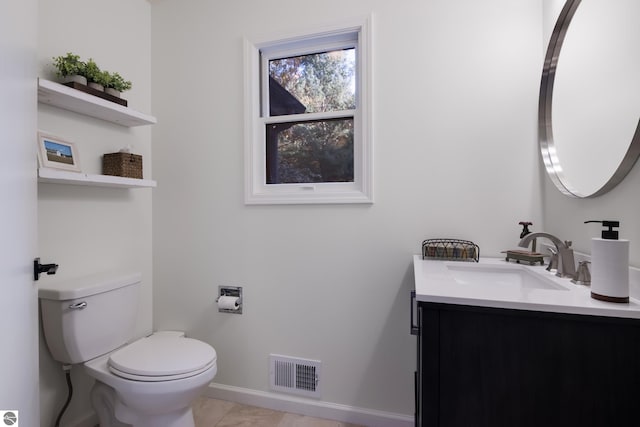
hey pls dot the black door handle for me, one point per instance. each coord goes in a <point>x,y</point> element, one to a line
<point>43,268</point>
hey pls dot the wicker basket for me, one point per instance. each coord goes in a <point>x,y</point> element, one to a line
<point>122,164</point>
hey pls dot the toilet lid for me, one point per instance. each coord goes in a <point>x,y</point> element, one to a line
<point>147,378</point>
<point>162,356</point>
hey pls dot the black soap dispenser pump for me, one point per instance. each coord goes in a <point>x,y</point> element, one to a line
<point>610,233</point>
<point>609,264</point>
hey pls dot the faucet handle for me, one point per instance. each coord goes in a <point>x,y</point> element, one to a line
<point>583,275</point>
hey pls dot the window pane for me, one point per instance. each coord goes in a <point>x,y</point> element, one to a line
<point>310,152</point>
<point>315,83</point>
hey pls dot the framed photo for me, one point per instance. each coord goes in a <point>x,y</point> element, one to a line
<point>57,153</point>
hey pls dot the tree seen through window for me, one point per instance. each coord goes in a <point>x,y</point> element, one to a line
<point>311,151</point>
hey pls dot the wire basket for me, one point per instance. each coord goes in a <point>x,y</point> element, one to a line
<point>450,250</point>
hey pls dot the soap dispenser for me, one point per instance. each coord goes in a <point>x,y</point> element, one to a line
<point>609,265</point>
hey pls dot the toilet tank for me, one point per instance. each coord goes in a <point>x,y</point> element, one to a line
<point>86,317</point>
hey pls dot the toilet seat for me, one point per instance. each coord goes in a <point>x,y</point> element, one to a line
<point>162,358</point>
<point>153,378</point>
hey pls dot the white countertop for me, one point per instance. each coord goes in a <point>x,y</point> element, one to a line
<point>434,283</point>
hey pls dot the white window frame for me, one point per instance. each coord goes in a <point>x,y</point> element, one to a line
<point>257,191</point>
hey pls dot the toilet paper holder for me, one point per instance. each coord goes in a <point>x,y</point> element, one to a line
<point>230,291</point>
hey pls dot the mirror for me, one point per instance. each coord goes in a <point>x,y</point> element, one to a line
<point>589,107</point>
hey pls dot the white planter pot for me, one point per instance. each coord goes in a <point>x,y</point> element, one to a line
<point>112,91</point>
<point>96,86</point>
<point>75,78</point>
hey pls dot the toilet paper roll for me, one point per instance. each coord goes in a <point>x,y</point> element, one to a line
<point>229,303</point>
<point>610,270</point>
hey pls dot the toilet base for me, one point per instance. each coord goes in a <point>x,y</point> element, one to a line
<point>113,413</point>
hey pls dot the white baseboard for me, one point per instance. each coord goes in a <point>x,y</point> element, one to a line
<point>312,408</point>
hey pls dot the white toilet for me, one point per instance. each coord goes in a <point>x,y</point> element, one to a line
<point>150,382</point>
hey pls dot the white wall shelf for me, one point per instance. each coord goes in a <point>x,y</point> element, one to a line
<point>54,176</point>
<point>67,98</point>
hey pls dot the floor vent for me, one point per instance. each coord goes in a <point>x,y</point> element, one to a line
<point>296,376</point>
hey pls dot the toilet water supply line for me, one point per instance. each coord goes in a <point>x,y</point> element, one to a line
<point>67,370</point>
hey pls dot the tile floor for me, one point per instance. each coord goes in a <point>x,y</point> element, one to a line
<point>219,413</point>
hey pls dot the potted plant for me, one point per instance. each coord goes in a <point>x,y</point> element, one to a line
<point>104,79</point>
<point>117,84</point>
<point>69,68</point>
<point>94,75</point>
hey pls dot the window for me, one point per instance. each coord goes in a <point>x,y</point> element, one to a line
<point>307,114</point>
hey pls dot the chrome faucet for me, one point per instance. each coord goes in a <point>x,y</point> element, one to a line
<point>566,262</point>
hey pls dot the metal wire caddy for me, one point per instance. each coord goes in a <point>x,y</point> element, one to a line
<point>450,250</point>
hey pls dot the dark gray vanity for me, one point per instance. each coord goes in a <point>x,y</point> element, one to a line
<point>497,367</point>
<point>521,357</point>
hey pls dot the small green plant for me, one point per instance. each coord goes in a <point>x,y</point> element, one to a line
<point>92,72</point>
<point>104,78</point>
<point>68,65</point>
<point>119,83</point>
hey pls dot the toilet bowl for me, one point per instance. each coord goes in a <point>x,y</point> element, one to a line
<point>148,382</point>
<point>152,381</point>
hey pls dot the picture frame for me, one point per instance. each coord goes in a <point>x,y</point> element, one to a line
<point>56,153</point>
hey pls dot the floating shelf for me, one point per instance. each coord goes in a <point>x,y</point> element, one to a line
<point>54,176</point>
<point>64,97</point>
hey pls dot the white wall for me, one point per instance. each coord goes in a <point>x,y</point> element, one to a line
<point>564,216</point>
<point>455,92</point>
<point>87,229</point>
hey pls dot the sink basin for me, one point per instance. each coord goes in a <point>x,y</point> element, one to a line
<point>508,276</point>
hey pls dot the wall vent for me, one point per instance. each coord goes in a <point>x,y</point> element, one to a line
<point>295,376</point>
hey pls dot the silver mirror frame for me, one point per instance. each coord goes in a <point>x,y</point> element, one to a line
<point>545,124</point>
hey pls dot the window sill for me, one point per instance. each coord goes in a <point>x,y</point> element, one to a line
<point>306,195</point>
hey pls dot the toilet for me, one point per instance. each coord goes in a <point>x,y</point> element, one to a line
<point>146,382</point>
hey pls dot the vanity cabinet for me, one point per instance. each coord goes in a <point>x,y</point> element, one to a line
<point>503,367</point>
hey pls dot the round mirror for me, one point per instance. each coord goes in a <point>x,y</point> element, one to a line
<point>589,108</point>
